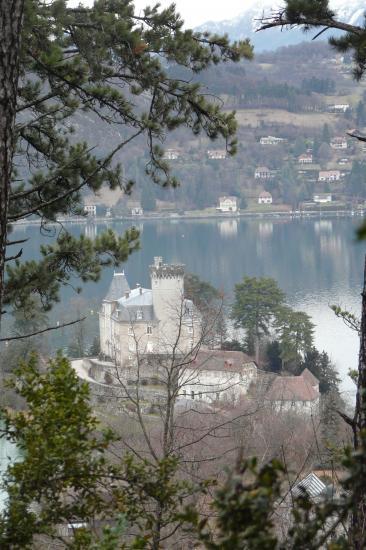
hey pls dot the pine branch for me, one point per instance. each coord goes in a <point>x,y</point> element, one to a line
<point>100,167</point>
<point>42,331</point>
<point>280,20</point>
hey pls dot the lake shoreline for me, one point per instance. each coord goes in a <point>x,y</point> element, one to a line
<point>192,216</point>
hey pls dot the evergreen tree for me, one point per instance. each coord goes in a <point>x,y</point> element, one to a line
<point>322,368</point>
<point>295,334</point>
<point>59,63</point>
<point>273,353</point>
<point>326,134</point>
<point>210,303</point>
<point>256,304</point>
<point>59,479</point>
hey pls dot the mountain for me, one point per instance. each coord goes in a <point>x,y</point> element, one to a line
<point>245,24</point>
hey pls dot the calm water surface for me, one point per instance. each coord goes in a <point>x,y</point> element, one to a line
<point>316,262</point>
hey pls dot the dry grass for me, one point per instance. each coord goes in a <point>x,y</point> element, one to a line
<point>256,117</point>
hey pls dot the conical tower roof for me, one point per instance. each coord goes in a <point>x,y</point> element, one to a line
<point>119,286</point>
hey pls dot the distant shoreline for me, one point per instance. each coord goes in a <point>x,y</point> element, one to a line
<point>192,216</point>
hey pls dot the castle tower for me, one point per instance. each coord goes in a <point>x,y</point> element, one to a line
<point>167,285</point>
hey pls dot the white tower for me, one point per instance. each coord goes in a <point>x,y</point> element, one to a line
<point>167,284</point>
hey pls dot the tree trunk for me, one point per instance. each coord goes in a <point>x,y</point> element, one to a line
<point>359,510</point>
<point>11,20</point>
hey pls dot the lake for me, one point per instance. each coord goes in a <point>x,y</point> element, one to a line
<point>317,262</point>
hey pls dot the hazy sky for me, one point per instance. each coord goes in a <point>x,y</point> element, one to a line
<point>195,12</point>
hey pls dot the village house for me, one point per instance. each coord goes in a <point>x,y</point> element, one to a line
<point>306,158</point>
<point>322,197</point>
<point>339,143</point>
<point>148,320</point>
<point>329,175</point>
<point>262,172</point>
<point>338,108</point>
<point>298,394</point>
<point>265,198</point>
<point>228,204</point>
<point>135,208</point>
<point>218,376</point>
<point>90,209</point>
<point>217,154</point>
<point>271,140</point>
<point>171,154</point>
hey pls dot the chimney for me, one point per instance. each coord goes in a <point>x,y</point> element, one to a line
<point>158,261</point>
<point>127,294</point>
<point>140,290</point>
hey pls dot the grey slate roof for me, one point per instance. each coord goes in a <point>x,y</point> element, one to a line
<point>137,307</point>
<point>118,287</point>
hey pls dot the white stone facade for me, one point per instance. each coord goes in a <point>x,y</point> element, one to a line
<point>228,204</point>
<point>90,209</point>
<point>265,198</point>
<point>214,378</point>
<point>322,198</point>
<point>148,321</point>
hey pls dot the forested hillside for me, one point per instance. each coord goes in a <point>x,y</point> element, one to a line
<point>311,108</point>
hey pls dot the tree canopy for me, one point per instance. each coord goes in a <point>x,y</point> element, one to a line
<point>257,302</point>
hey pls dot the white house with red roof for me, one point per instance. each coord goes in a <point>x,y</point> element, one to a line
<point>216,376</point>
<point>329,175</point>
<point>262,173</point>
<point>265,198</point>
<point>339,143</point>
<point>306,158</point>
<point>298,394</point>
<point>228,204</point>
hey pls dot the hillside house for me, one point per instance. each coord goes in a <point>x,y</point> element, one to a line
<point>135,208</point>
<point>338,108</point>
<point>322,198</point>
<point>306,158</point>
<point>339,143</point>
<point>146,320</point>
<point>329,175</point>
<point>272,140</point>
<point>228,204</point>
<point>265,198</point>
<point>171,154</point>
<point>217,154</point>
<point>298,394</point>
<point>263,173</point>
<point>90,209</point>
<point>218,376</point>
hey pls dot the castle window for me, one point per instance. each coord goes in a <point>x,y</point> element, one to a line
<point>139,314</point>
<point>192,394</point>
<point>130,331</point>
<point>131,345</point>
<point>184,393</point>
<point>200,395</point>
<point>149,329</point>
<point>190,329</point>
<point>217,396</point>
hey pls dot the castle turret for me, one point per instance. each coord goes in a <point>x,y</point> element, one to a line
<point>167,284</point>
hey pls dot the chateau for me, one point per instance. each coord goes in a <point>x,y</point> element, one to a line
<point>156,320</point>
